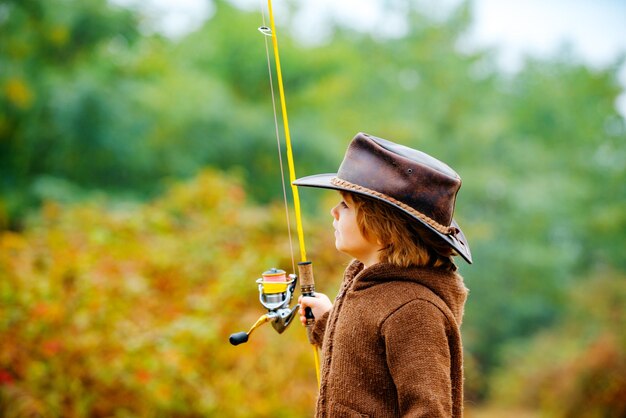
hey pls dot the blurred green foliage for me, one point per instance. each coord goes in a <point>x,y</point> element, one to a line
<point>95,110</point>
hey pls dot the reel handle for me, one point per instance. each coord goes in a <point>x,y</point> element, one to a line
<point>307,288</point>
<point>238,338</point>
<point>242,337</point>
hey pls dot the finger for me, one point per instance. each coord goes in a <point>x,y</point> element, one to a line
<point>307,300</point>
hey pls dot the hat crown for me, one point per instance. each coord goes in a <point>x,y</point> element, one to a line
<point>415,155</point>
<point>409,176</point>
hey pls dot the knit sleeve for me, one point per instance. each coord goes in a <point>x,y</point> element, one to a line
<point>319,329</point>
<point>418,357</point>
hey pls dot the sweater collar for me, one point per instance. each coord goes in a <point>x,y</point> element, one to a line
<point>447,285</point>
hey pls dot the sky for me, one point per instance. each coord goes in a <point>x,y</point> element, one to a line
<point>595,30</point>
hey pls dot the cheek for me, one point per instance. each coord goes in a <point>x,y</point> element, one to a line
<point>351,229</point>
<point>355,230</point>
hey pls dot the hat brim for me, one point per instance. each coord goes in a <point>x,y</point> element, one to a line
<point>456,241</point>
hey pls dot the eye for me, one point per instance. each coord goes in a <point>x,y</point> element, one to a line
<point>343,204</point>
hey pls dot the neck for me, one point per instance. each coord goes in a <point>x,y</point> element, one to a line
<point>369,261</point>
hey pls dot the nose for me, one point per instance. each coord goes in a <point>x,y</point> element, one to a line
<point>334,212</point>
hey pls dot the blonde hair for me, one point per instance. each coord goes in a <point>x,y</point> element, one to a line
<point>405,242</point>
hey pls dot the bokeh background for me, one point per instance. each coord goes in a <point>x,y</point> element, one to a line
<point>140,196</point>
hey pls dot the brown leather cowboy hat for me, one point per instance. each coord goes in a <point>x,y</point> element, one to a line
<point>412,181</point>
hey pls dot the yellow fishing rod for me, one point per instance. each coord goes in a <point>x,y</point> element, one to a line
<point>275,288</point>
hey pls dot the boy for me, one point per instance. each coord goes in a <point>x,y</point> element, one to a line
<point>391,344</point>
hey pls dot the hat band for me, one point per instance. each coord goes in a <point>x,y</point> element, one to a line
<point>446,230</point>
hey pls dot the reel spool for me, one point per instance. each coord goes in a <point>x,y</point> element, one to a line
<point>275,294</point>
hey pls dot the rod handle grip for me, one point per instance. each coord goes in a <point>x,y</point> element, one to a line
<point>307,288</point>
<point>305,271</point>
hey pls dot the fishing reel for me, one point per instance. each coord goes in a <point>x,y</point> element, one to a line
<point>275,294</point>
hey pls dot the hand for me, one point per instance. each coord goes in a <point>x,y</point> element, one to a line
<point>319,304</point>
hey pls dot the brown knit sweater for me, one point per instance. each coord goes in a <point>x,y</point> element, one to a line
<point>391,344</point>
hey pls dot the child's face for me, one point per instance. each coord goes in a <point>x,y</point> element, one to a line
<point>348,237</point>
